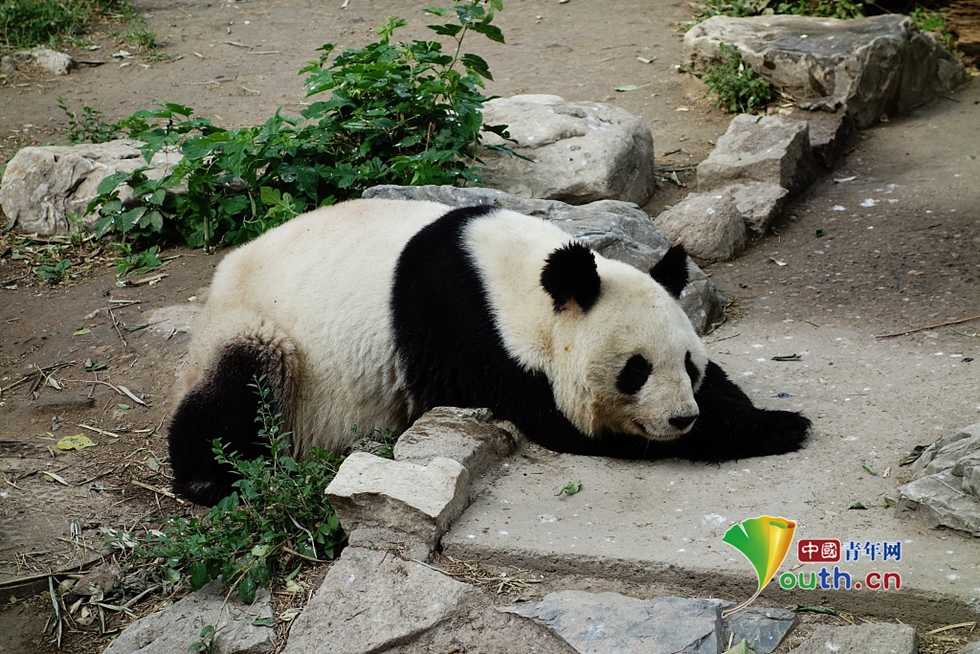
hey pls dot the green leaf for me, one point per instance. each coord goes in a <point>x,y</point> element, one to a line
<point>447,29</point>
<point>198,571</point>
<point>477,64</point>
<point>492,32</point>
<point>570,488</point>
<point>110,182</point>
<point>741,648</point>
<point>247,589</point>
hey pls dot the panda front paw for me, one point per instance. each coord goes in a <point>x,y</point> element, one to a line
<point>731,427</point>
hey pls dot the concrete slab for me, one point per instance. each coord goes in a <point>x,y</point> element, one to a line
<point>661,522</point>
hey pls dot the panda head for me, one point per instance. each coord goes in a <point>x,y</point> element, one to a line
<point>624,357</point>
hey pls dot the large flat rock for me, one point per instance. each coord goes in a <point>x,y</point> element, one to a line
<point>873,66</point>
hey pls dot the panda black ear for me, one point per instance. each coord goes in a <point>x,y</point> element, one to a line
<point>671,271</point>
<point>570,275</point>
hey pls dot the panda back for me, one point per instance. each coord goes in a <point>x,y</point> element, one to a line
<point>322,282</point>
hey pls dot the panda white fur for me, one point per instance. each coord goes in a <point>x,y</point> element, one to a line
<point>371,312</point>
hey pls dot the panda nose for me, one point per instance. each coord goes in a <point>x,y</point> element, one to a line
<point>682,422</point>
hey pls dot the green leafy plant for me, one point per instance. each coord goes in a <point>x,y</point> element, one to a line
<point>136,262</point>
<point>733,84</point>
<point>27,23</point>
<point>277,513</point>
<point>89,127</point>
<point>380,442</point>
<point>140,35</point>
<point>823,8</point>
<point>397,113</point>
<point>208,643</point>
<point>142,218</point>
<point>52,273</point>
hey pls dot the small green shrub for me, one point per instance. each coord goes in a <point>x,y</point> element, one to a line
<point>743,8</point>
<point>278,512</point>
<point>933,23</point>
<point>400,113</point>
<point>136,262</point>
<point>733,85</point>
<point>53,273</point>
<point>89,127</point>
<point>823,8</point>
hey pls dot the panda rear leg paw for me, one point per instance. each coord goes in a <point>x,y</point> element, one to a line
<point>223,405</point>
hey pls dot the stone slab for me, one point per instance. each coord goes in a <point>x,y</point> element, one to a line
<point>176,627</point>
<point>599,623</point>
<point>873,66</point>
<point>371,601</point>
<point>872,638</point>
<point>660,524</point>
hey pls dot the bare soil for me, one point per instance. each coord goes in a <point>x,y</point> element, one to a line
<point>896,247</point>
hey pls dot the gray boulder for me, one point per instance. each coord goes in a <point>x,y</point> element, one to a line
<point>872,66</point>
<point>714,226</point>
<point>945,486</point>
<point>758,164</point>
<point>708,225</point>
<point>830,132</point>
<point>766,149</point>
<point>43,186</point>
<point>52,61</point>
<point>617,230</point>
<point>581,151</point>
<point>414,502</point>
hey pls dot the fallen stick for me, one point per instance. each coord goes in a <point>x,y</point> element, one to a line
<point>922,329</point>
<point>98,431</point>
<point>158,491</point>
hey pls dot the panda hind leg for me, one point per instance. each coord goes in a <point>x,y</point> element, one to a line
<point>224,405</point>
<point>731,427</point>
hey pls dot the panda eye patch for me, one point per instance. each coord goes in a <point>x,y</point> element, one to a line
<point>633,375</point>
<point>692,370</point>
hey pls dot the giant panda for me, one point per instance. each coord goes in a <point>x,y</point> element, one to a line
<point>370,312</point>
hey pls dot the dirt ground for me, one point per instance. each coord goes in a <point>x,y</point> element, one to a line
<point>896,247</point>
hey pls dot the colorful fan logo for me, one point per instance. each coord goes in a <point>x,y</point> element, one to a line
<point>764,541</point>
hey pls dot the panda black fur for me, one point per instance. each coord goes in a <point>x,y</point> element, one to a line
<point>371,312</point>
